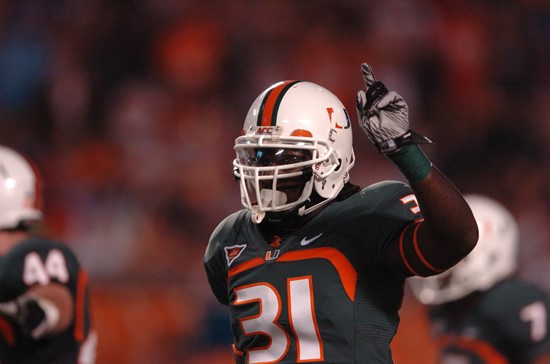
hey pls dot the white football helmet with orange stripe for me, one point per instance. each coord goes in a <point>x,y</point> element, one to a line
<point>493,259</point>
<point>19,194</point>
<point>296,139</point>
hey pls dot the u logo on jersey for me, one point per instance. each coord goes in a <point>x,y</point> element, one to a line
<point>272,256</point>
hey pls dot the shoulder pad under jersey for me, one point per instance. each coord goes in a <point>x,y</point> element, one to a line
<point>381,192</point>
<point>373,199</point>
<point>225,230</point>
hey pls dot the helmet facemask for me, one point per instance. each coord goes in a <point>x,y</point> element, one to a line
<point>277,173</point>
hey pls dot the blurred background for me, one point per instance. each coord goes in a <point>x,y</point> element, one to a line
<point>130,109</point>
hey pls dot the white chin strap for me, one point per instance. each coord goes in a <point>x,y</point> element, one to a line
<point>269,198</point>
<point>272,198</point>
<point>257,216</point>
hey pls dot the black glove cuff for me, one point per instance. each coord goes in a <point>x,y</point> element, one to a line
<point>410,137</point>
<point>30,315</point>
<point>375,92</point>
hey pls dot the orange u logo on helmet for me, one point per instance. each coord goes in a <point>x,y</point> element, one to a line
<point>330,111</point>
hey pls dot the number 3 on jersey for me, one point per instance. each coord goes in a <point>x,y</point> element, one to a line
<point>302,320</point>
<point>41,272</point>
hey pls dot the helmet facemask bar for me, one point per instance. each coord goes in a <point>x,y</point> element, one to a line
<point>260,184</point>
<point>269,197</point>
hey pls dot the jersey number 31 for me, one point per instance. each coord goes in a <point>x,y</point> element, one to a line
<point>309,346</point>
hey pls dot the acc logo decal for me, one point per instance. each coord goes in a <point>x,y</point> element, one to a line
<point>265,130</point>
<point>233,252</point>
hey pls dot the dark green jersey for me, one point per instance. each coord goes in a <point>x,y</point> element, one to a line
<point>327,293</point>
<point>506,324</point>
<point>39,261</point>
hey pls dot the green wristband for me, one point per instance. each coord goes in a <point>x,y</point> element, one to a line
<point>412,162</point>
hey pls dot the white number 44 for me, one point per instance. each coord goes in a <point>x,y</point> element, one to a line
<point>37,271</point>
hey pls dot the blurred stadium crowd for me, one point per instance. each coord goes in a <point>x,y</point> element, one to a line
<point>131,107</point>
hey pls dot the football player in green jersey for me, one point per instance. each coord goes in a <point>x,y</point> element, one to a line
<point>44,303</point>
<point>313,268</point>
<point>481,312</point>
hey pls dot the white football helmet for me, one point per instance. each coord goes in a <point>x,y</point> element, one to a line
<point>493,259</point>
<point>296,138</point>
<point>19,194</point>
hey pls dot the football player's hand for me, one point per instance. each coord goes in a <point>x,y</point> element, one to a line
<point>29,313</point>
<point>384,115</point>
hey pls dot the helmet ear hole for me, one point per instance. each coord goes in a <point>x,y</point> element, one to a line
<point>339,165</point>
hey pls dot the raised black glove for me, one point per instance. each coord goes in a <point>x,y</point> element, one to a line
<point>384,116</point>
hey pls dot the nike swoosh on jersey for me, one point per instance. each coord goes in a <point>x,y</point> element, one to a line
<point>305,241</point>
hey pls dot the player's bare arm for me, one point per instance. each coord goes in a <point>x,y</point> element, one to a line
<point>449,231</point>
<point>42,310</point>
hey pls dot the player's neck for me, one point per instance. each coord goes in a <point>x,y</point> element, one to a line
<point>276,227</point>
<point>10,238</point>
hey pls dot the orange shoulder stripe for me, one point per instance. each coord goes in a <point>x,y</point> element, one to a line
<point>346,272</point>
<point>249,264</point>
<point>402,251</point>
<point>419,253</point>
<point>80,306</point>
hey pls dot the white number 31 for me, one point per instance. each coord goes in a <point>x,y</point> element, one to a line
<point>36,271</point>
<point>301,317</point>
